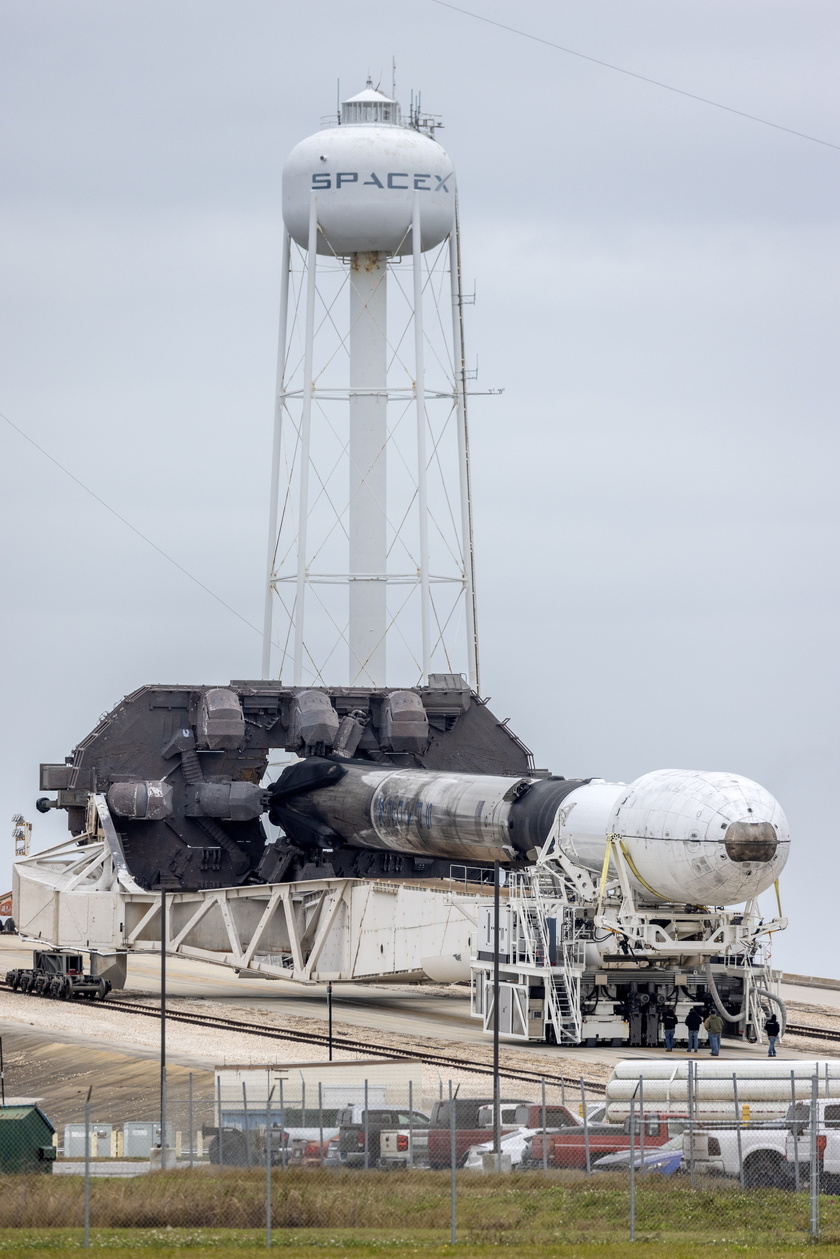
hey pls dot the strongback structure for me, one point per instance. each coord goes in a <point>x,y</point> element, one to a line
<point>370,554</point>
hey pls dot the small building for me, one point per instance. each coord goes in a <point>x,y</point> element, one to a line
<point>26,1140</point>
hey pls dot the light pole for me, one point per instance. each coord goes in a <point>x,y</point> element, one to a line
<point>163,1028</point>
<point>497,1096</point>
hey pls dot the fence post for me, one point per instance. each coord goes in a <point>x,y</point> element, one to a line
<point>585,1117</point>
<point>632,1169</point>
<point>268,1169</point>
<point>453,1158</point>
<point>544,1141</point>
<point>815,1167</point>
<point>691,1082</point>
<point>410,1159</point>
<point>87,1169</point>
<point>192,1139</point>
<point>738,1129</point>
<point>219,1120</point>
<point>367,1130</point>
<point>282,1129</point>
<point>247,1126</point>
<point>641,1121</point>
<point>320,1124</point>
<point>795,1127</point>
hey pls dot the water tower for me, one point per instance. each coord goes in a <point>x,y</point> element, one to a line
<point>370,576</point>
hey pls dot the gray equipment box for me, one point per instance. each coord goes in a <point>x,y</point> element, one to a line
<point>139,1138</point>
<point>102,1140</point>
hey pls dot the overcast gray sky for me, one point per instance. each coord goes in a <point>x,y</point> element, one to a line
<point>657,281</point>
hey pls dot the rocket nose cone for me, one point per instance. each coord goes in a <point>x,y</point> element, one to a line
<point>750,841</point>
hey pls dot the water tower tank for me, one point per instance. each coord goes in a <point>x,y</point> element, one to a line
<point>365,174</point>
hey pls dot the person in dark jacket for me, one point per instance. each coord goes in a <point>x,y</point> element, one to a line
<point>669,1023</point>
<point>772,1029</point>
<point>694,1021</point>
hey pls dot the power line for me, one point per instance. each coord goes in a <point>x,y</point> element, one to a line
<point>632,74</point>
<point>128,524</point>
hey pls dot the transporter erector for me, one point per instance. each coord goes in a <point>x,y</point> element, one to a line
<point>619,900</point>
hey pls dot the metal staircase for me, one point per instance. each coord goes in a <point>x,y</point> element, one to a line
<point>558,960</point>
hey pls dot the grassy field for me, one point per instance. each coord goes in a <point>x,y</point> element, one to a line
<point>177,1244</point>
<point>379,1214</point>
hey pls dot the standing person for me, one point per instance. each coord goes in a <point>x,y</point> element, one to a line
<point>669,1023</point>
<point>714,1026</point>
<point>772,1029</point>
<point>693,1022</point>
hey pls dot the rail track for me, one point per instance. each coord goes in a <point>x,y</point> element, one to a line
<point>817,1033</point>
<point>361,1046</point>
<point>339,1042</point>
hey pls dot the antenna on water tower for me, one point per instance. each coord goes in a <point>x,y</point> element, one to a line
<point>370,554</point>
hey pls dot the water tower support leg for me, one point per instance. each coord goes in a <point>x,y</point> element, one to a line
<point>305,435</point>
<point>459,372</point>
<point>367,517</point>
<point>422,460</point>
<point>279,404</point>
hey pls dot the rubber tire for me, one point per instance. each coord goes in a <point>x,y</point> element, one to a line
<point>765,1170</point>
<point>233,1149</point>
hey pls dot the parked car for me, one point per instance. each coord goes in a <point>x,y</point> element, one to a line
<point>404,1147</point>
<point>666,1159</point>
<point>473,1119</point>
<point>721,1149</point>
<point>529,1120</point>
<point>569,1147</point>
<point>359,1131</point>
<point>798,1143</point>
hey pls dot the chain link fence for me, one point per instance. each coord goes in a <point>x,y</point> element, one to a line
<point>693,1150</point>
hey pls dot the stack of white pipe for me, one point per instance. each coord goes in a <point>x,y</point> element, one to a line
<point>765,1087</point>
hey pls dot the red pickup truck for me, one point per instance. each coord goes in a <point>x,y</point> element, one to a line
<point>474,1124</point>
<point>469,1127</point>
<point>568,1147</point>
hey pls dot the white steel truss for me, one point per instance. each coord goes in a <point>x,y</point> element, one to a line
<point>332,601</point>
<point>79,896</point>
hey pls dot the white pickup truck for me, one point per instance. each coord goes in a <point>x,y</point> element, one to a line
<point>762,1148</point>
<point>798,1145</point>
<point>404,1148</point>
